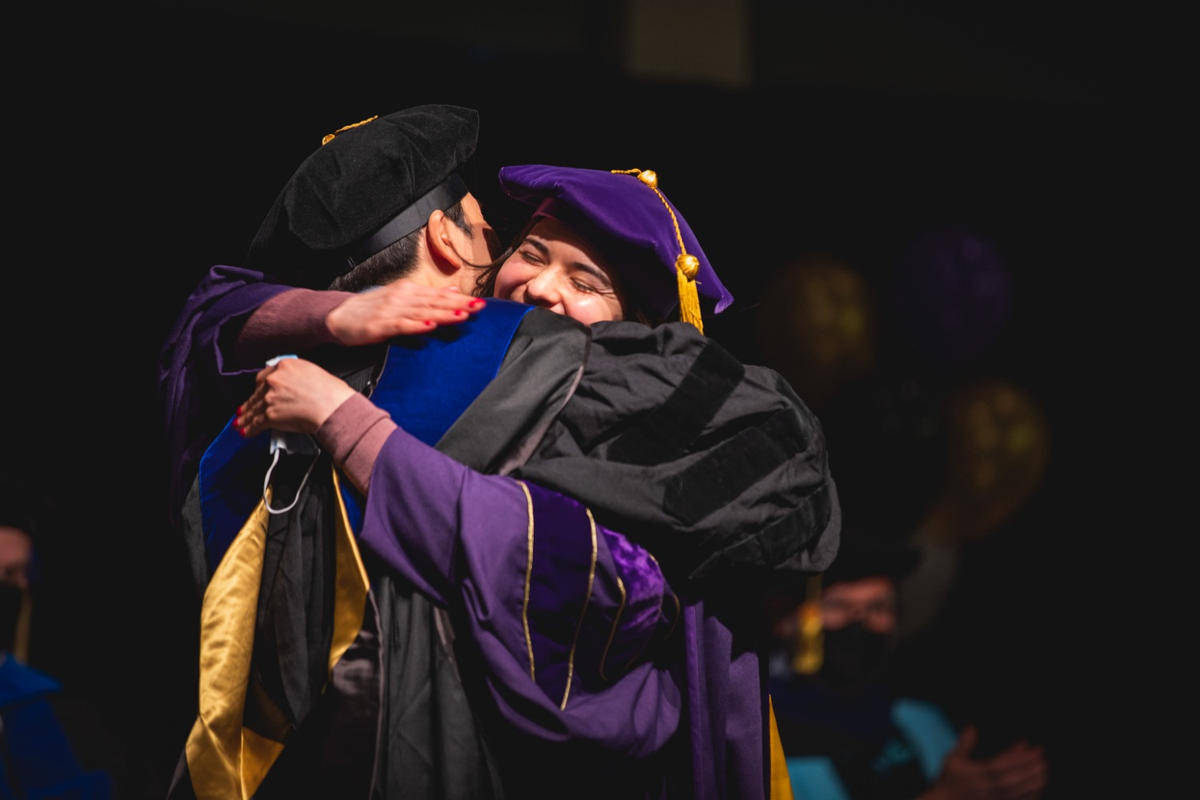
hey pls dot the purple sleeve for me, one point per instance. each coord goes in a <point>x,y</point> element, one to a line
<point>353,436</point>
<point>219,341</point>
<point>215,311</point>
<point>290,322</point>
<point>563,610</point>
<point>196,389</point>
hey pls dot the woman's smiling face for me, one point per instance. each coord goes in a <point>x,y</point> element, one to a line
<point>554,268</point>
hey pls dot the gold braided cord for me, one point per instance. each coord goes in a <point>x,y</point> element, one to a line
<point>586,601</point>
<point>685,265</point>
<point>678,235</point>
<point>616,622</point>
<point>327,138</point>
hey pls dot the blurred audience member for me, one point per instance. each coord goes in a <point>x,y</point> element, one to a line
<point>846,732</point>
<point>16,603</point>
<point>37,754</point>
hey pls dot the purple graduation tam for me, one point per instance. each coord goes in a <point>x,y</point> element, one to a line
<point>651,247</point>
<point>368,185</point>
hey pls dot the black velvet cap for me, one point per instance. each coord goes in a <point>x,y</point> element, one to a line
<point>369,184</point>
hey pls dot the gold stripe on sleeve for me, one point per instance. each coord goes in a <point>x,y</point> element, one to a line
<point>586,600</point>
<point>613,632</point>
<point>528,575</point>
<point>661,601</point>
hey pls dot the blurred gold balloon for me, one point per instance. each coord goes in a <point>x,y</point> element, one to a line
<point>816,326</point>
<point>998,452</point>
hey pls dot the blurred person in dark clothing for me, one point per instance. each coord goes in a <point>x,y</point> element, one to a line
<point>846,731</point>
<point>37,747</point>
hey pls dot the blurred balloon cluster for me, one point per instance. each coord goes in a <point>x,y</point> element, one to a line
<point>817,326</point>
<point>951,297</point>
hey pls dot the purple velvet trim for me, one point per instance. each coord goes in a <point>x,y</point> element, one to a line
<point>450,530</point>
<point>637,713</point>
<point>646,609</point>
<point>558,584</point>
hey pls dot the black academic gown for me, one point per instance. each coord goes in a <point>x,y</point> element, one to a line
<point>719,467</point>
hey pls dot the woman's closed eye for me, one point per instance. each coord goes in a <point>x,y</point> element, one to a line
<point>531,255</point>
<point>590,286</point>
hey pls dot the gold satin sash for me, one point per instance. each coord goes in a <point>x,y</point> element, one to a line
<point>781,782</point>
<point>226,759</point>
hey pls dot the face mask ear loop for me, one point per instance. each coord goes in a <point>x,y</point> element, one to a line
<point>267,483</point>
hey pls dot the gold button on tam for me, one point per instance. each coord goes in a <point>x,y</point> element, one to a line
<point>688,264</point>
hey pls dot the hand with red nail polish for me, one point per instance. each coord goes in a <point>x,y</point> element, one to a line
<point>294,395</point>
<point>401,307</point>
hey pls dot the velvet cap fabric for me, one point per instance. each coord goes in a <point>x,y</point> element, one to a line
<point>628,221</point>
<point>359,182</point>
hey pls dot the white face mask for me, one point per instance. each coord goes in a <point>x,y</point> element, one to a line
<point>291,443</point>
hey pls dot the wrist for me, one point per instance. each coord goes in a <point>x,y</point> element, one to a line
<point>335,400</point>
<point>333,323</point>
<point>353,436</point>
<point>330,305</point>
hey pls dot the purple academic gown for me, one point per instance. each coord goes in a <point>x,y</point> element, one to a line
<point>567,659</point>
<point>198,387</point>
<point>563,611</point>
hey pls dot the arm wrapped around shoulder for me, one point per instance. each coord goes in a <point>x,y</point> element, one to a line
<point>718,468</point>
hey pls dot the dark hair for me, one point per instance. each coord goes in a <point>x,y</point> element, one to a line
<point>395,261</point>
<point>485,283</point>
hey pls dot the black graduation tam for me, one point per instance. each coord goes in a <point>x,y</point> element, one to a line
<point>369,184</point>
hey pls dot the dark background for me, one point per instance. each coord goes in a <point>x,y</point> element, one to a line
<point>146,144</point>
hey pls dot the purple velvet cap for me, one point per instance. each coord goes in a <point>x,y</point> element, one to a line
<point>629,214</point>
